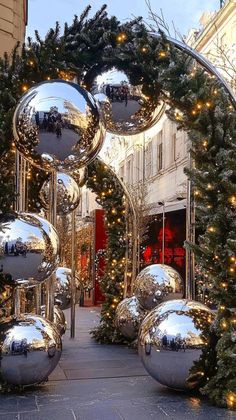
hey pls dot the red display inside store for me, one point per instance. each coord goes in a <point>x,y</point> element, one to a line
<point>174,237</point>
<point>100,241</point>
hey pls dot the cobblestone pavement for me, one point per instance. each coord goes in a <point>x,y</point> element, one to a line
<point>103,382</point>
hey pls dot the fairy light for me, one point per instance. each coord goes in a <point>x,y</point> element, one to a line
<point>24,88</point>
<point>211,229</point>
<point>162,54</point>
<point>121,37</point>
<point>232,200</point>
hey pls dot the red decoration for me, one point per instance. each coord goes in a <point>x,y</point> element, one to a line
<point>100,241</point>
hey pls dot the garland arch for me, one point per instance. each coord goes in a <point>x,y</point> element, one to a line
<point>199,104</point>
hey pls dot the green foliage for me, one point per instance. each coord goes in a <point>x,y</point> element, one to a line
<point>110,196</point>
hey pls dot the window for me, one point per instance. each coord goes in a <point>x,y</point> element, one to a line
<point>129,170</point>
<point>159,157</point>
<point>138,169</point>
<point>174,146</point>
<point>149,160</point>
<point>122,171</point>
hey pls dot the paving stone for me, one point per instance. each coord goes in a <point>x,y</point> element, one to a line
<point>107,382</point>
<point>97,413</point>
<point>49,414</point>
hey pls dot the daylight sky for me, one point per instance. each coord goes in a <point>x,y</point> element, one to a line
<point>184,13</point>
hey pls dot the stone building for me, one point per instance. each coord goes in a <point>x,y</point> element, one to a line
<point>13,20</point>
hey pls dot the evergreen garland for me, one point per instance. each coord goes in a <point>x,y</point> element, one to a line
<point>199,105</point>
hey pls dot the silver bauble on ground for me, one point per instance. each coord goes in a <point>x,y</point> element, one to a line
<point>171,339</point>
<point>126,110</point>
<point>30,348</point>
<point>157,283</point>
<point>28,254</point>
<point>129,316</point>
<point>57,126</point>
<point>68,194</point>
<point>59,320</point>
<point>63,289</point>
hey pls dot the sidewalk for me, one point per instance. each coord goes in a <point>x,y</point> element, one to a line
<point>103,382</point>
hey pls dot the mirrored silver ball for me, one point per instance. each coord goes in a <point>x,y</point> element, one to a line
<point>126,109</point>
<point>30,349</point>
<point>57,126</point>
<point>129,316</point>
<point>28,248</point>
<point>80,175</point>
<point>68,194</point>
<point>171,339</point>
<point>157,283</point>
<point>63,287</point>
<point>59,320</point>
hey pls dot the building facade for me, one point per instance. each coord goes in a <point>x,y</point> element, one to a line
<point>13,20</point>
<point>157,157</point>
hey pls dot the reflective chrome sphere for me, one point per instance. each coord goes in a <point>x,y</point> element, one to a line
<point>57,125</point>
<point>62,289</point>
<point>80,175</point>
<point>125,108</point>
<point>59,320</point>
<point>6,301</point>
<point>171,339</point>
<point>68,194</point>
<point>129,316</point>
<point>28,251</point>
<point>157,283</point>
<point>30,348</point>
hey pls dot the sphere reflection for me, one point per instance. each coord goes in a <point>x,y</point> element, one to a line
<point>171,339</point>
<point>30,348</point>
<point>129,316</point>
<point>57,125</point>
<point>28,253</point>
<point>63,287</point>
<point>157,283</point>
<point>68,194</point>
<point>126,109</point>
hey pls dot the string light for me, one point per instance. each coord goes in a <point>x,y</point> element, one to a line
<point>121,37</point>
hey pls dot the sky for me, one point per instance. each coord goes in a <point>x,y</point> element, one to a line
<point>185,14</point>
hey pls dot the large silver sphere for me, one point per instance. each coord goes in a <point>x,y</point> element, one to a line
<point>80,175</point>
<point>63,289</point>
<point>157,283</point>
<point>126,110</point>
<point>68,194</point>
<point>28,253</point>
<point>57,126</point>
<point>129,316</point>
<point>30,348</point>
<point>171,339</point>
<point>59,320</point>
<point>6,301</point>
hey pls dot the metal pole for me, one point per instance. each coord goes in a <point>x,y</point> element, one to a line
<point>163,233</point>
<point>52,219</point>
<point>190,238</point>
<point>17,301</point>
<point>126,249</point>
<point>73,285</point>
